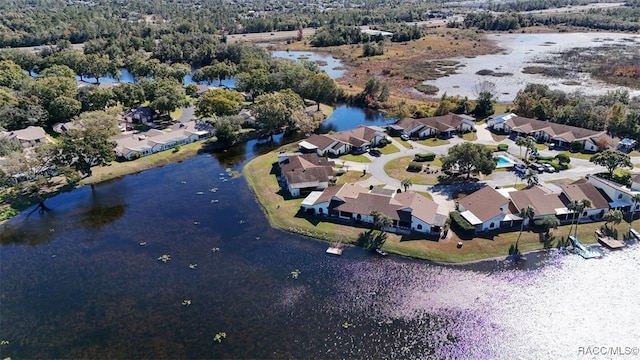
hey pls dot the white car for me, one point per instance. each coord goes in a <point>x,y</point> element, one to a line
<point>404,137</point>
<point>520,167</point>
<point>549,168</point>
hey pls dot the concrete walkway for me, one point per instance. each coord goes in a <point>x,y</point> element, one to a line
<point>443,194</point>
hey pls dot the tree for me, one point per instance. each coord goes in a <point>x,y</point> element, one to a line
<point>579,207</point>
<point>528,142</point>
<point>7,98</point>
<point>27,112</point>
<point>611,159</point>
<point>406,183</point>
<point>218,71</point>
<point>636,200</point>
<point>306,123</point>
<point>97,66</point>
<point>485,92</point>
<point>320,87</point>
<point>531,177</point>
<point>102,121</point>
<point>612,215</point>
<point>58,70</point>
<point>63,109</point>
<point>81,149</point>
<point>380,220</point>
<point>225,132</point>
<point>548,222</point>
<point>11,74</point>
<point>527,214</point>
<point>374,91</point>
<point>32,172</point>
<point>8,146</point>
<point>254,82</point>
<point>165,94</point>
<point>129,95</point>
<point>96,98</point>
<point>468,157</point>
<point>218,102</point>
<point>274,111</point>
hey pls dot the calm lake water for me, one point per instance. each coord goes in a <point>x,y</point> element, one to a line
<point>76,283</point>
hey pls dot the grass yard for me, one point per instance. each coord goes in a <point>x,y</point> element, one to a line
<point>433,142</point>
<point>175,114</point>
<point>350,157</point>
<point>498,138</point>
<point>470,136</point>
<point>352,177</point>
<point>397,169</point>
<point>389,149</point>
<point>576,155</point>
<point>541,146</point>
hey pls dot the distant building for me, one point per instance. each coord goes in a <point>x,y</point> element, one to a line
<point>27,137</point>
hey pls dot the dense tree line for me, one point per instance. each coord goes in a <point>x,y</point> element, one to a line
<point>614,111</point>
<point>501,22</point>
<point>532,5</point>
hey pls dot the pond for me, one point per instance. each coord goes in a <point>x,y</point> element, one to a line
<point>523,50</point>
<point>332,66</point>
<point>84,281</point>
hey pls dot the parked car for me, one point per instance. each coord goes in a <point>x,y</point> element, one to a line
<point>375,152</point>
<point>520,168</point>
<point>404,137</point>
<point>537,167</point>
<point>549,168</point>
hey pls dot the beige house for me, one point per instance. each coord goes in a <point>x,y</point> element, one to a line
<point>408,211</point>
<point>445,125</point>
<point>28,137</point>
<point>486,209</point>
<point>356,140</point>
<point>303,173</point>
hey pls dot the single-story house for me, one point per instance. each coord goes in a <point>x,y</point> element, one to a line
<point>445,125</point>
<point>28,137</point>
<point>408,211</point>
<point>303,173</point>
<point>621,196</point>
<point>543,202</point>
<point>559,134</point>
<point>635,183</point>
<point>356,140</point>
<point>486,209</point>
<point>142,114</point>
<point>583,189</point>
<point>133,146</point>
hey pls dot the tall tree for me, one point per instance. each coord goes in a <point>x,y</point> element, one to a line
<point>321,88</point>
<point>527,214</point>
<point>129,95</point>
<point>255,82</point>
<point>612,215</point>
<point>468,157</point>
<point>579,208</point>
<point>611,159</point>
<point>83,148</point>
<point>274,111</point>
<point>11,74</point>
<point>636,200</point>
<point>218,102</point>
<point>406,183</point>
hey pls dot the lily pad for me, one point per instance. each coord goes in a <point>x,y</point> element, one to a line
<point>215,201</point>
<point>219,336</point>
<point>164,258</point>
<point>193,266</point>
<point>215,249</point>
<point>4,342</point>
<point>295,273</point>
<point>196,223</point>
<point>186,302</point>
<point>200,193</point>
<point>142,243</point>
<point>347,325</point>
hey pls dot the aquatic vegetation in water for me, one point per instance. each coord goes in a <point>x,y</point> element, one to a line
<point>164,258</point>
<point>143,243</point>
<point>186,302</point>
<point>215,201</point>
<point>347,325</point>
<point>219,336</point>
<point>52,230</point>
<point>196,223</point>
<point>4,342</point>
<point>213,189</point>
<point>295,273</point>
<point>215,249</point>
<point>200,193</point>
<point>183,182</point>
<point>193,266</point>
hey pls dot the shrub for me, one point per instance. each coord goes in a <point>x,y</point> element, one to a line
<point>414,166</point>
<point>563,158</point>
<point>545,157</point>
<point>424,157</point>
<point>461,223</point>
<point>503,147</point>
<point>576,146</point>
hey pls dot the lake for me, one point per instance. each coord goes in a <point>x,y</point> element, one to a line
<point>84,281</point>
<point>522,50</point>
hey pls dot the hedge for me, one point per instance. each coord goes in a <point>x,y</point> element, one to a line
<point>424,157</point>
<point>414,166</point>
<point>503,147</point>
<point>461,223</point>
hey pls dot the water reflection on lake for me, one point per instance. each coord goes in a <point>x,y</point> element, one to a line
<point>77,283</point>
<point>332,66</point>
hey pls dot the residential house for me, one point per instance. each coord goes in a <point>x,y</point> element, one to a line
<point>142,114</point>
<point>357,140</point>
<point>543,201</point>
<point>621,196</point>
<point>444,126</point>
<point>486,209</point>
<point>303,173</point>
<point>133,146</point>
<point>559,134</point>
<point>408,211</point>
<point>583,189</point>
<point>28,137</point>
<point>635,183</point>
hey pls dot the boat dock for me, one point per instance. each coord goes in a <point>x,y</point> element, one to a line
<point>335,248</point>
<point>608,241</point>
<point>585,252</point>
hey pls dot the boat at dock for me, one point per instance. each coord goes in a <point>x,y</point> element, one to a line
<point>608,241</point>
<point>585,252</point>
<point>381,252</point>
<point>336,248</point>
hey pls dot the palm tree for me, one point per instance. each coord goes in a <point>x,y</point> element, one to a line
<point>636,200</point>
<point>531,177</point>
<point>526,214</point>
<point>582,204</point>
<point>614,216</point>
<point>528,142</point>
<point>406,183</point>
<point>549,222</point>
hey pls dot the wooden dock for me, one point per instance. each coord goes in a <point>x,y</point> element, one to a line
<point>608,241</point>
<point>334,250</point>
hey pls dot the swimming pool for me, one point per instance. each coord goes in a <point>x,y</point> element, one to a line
<point>503,161</point>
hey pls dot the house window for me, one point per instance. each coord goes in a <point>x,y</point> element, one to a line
<point>637,207</point>
<point>419,227</point>
<point>584,213</point>
<point>359,217</point>
<point>320,211</point>
<point>491,226</point>
<point>619,196</point>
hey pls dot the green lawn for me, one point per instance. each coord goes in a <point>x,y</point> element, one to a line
<point>354,158</point>
<point>397,169</point>
<point>576,155</point>
<point>351,177</point>
<point>175,114</point>
<point>541,146</point>
<point>470,136</point>
<point>404,143</point>
<point>433,142</point>
<point>389,149</point>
